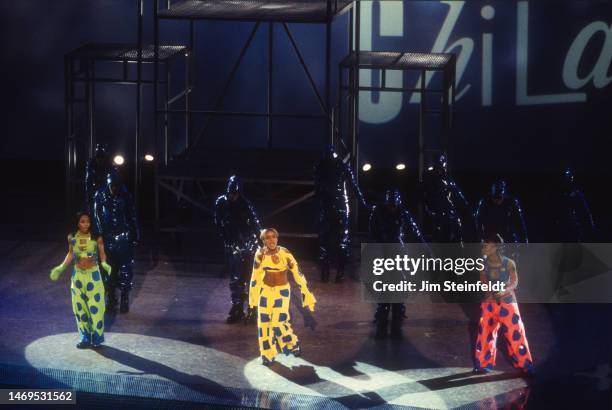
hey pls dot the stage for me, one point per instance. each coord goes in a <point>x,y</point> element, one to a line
<point>174,345</point>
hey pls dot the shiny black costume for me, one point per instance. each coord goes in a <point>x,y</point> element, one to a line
<point>116,220</point>
<point>501,214</point>
<point>331,177</point>
<point>574,219</point>
<point>390,222</point>
<point>96,170</point>
<point>239,228</point>
<point>446,206</point>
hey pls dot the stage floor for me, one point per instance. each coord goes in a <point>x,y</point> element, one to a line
<point>174,344</point>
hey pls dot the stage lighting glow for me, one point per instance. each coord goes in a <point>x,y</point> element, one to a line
<point>366,167</point>
<point>118,160</point>
<point>487,12</point>
<point>274,6</point>
<point>400,166</point>
<point>149,157</point>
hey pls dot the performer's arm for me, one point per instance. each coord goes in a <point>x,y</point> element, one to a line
<point>513,277</point>
<point>256,281</point>
<point>69,256</point>
<point>459,194</point>
<point>587,213</point>
<point>97,217</point>
<point>220,222</point>
<point>485,280</point>
<point>57,271</point>
<point>410,224</point>
<point>101,250</point>
<point>520,221</point>
<point>254,220</point>
<point>308,299</point>
<point>478,216</point>
<point>351,175</point>
<point>513,280</point>
<point>102,254</point>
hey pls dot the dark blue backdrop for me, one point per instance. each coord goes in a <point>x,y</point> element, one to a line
<point>545,103</point>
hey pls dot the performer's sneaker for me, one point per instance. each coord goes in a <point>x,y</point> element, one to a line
<point>236,314</point>
<point>481,370</point>
<point>267,362</point>
<point>83,345</point>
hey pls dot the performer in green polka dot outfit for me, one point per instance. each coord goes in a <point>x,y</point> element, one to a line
<point>86,286</point>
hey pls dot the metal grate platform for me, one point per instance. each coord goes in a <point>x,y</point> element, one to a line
<point>399,61</point>
<point>125,52</point>
<point>297,11</point>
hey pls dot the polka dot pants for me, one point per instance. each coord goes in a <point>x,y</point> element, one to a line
<point>505,318</point>
<point>88,305</point>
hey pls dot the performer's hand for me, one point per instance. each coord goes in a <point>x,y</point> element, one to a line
<point>56,272</point>
<point>106,267</point>
<point>308,300</point>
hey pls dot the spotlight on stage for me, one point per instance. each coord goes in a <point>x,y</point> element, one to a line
<point>401,166</point>
<point>149,158</point>
<point>118,160</point>
<point>366,167</point>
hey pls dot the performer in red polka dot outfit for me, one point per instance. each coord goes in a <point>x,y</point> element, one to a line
<point>499,312</point>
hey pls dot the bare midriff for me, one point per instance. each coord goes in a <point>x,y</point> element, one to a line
<point>277,278</point>
<point>86,262</point>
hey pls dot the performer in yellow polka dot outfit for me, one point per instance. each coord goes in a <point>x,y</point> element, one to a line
<point>86,282</point>
<point>270,293</point>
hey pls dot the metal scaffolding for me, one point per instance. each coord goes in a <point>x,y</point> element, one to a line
<point>171,177</point>
<point>80,68</point>
<point>174,177</point>
<point>424,64</point>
